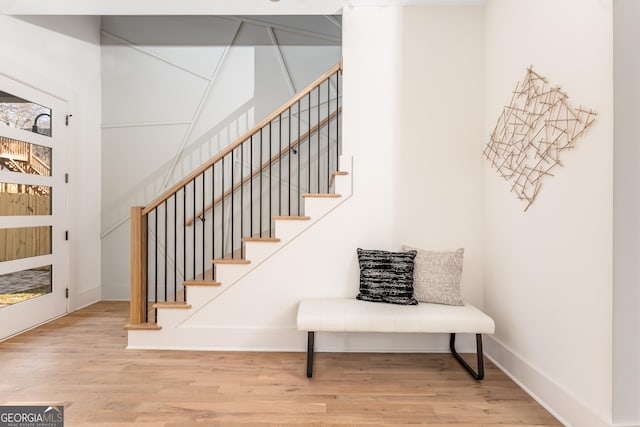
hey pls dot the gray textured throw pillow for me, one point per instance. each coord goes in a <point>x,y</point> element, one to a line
<point>386,276</point>
<point>436,276</point>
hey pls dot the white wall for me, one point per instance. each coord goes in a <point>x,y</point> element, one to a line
<point>548,272</point>
<point>176,90</point>
<point>61,55</point>
<point>626,212</point>
<point>437,185</point>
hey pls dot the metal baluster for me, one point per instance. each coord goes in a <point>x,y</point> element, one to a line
<point>318,133</point>
<point>260,170</point>
<point>309,141</point>
<point>299,155</point>
<point>270,179</point>
<point>166,250</point>
<point>222,255</point>
<point>251,187</point>
<point>155,296</point>
<point>242,198</point>
<point>146,267</point>
<point>280,163</point>
<point>202,218</point>
<point>213,213</point>
<point>175,244</point>
<point>232,204</point>
<point>184,232</point>
<point>289,157</point>
<point>328,130</point>
<point>194,227</point>
<point>337,120</point>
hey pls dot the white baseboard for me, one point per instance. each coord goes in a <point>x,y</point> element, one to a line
<point>561,403</point>
<point>85,298</point>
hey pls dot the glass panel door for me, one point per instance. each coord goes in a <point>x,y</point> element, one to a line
<point>33,259</point>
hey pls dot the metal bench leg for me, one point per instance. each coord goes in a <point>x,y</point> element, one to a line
<point>310,339</point>
<point>477,375</point>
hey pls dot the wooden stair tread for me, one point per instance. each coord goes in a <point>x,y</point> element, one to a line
<point>293,218</point>
<point>171,304</point>
<point>260,239</point>
<point>207,276</point>
<point>322,195</point>
<point>231,261</point>
<point>200,283</point>
<point>142,327</point>
<point>336,173</point>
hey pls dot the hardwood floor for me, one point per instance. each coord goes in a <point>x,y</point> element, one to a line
<point>80,361</point>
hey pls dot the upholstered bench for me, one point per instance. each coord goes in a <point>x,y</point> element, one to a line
<point>352,315</point>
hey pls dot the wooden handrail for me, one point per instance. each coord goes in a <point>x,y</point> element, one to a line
<point>202,168</point>
<point>279,155</point>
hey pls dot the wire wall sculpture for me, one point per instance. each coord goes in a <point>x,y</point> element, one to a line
<point>532,132</point>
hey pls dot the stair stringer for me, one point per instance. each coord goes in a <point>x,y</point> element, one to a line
<point>178,330</point>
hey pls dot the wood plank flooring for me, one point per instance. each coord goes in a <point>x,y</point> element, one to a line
<point>80,361</point>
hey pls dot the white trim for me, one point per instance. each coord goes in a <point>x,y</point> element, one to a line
<point>196,114</point>
<point>31,327</point>
<point>283,64</point>
<point>318,36</point>
<point>555,398</point>
<point>11,177</point>
<point>130,44</point>
<point>85,298</point>
<point>20,221</point>
<point>334,21</point>
<point>25,83</point>
<point>114,227</point>
<point>25,263</point>
<point>26,136</point>
<point>140,125</point>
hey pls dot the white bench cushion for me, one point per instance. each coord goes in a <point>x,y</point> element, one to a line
<point>352,315</point>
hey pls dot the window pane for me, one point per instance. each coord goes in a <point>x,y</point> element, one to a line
<point>24,242</point>
<point>23,285</point>
<point>22,199</point>
<point>20,156</point>
<point>19,113</point>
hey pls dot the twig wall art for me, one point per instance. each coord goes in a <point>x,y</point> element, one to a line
<point>531,133</point>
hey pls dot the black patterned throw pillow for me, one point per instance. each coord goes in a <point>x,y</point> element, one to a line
<point>386,276</point>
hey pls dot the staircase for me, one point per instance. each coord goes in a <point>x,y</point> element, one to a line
<point>208,232</point>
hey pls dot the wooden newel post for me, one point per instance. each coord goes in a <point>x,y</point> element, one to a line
<point>138,266</point>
